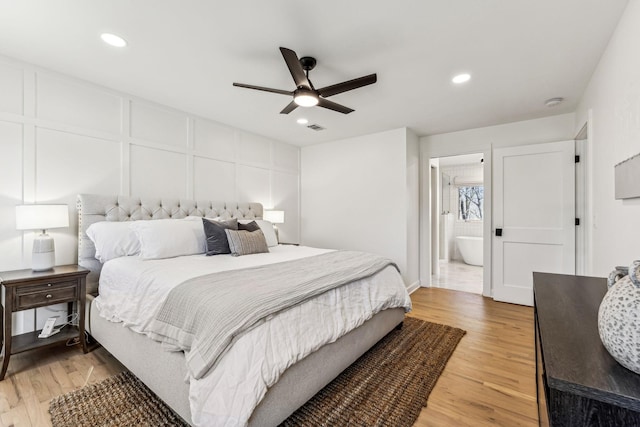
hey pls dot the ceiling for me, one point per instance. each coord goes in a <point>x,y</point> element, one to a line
<point>187,54</point>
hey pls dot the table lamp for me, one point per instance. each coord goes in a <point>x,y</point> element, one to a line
<point>42,217</point>
<point>274,217</point>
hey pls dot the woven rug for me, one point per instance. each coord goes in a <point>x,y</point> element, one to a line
<point>388,386</point>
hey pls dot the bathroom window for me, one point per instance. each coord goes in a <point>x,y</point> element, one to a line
<point>470,202</point>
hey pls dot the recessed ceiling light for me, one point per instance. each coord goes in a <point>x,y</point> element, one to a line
<point>113,40</point>
<point>461,78</point>
<point>552,102</point>
<point>302,121</point>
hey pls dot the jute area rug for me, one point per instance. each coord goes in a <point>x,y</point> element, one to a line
<point>388,386</point>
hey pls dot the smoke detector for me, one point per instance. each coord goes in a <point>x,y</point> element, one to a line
<point>552,102</point>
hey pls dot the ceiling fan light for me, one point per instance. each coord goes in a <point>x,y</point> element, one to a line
<point>305,100</point>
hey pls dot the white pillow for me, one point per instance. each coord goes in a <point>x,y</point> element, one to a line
<point>113,240</point>
<point>196,218</point>
<point>169,238</point>
<point>267,230</point>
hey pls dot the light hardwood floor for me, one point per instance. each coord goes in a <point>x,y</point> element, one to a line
<point>35,377</point>
<point>490,379</point>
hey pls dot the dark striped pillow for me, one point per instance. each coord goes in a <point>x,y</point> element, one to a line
<point>242,242</point>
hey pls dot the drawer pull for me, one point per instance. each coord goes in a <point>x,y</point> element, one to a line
<point>49,296</point>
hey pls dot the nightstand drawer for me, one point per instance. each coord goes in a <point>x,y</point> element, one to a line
<point>45,294</point>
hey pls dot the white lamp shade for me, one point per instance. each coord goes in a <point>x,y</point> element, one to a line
<point>274,217</point>
<point>41,217</point>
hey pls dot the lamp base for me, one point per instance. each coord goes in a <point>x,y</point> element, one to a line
<point>44,253</point>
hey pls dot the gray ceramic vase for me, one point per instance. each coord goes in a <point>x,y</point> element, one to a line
<point>619,316</point>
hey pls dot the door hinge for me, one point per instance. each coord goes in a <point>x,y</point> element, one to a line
<point>577,159</point>
<point>577,221</point>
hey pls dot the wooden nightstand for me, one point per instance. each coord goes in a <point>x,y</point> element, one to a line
<point>27,289</point>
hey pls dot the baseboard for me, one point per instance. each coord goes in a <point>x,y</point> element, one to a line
<point>413,287</point>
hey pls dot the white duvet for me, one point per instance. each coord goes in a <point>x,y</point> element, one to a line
<point>132,290</point>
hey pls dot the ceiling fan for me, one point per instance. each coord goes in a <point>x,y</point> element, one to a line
<point>305,95</point>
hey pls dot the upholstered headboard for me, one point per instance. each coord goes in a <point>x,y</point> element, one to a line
<point>93,208</point>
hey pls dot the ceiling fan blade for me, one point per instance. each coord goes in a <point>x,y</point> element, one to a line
<point>265,89</point>
<point>348,85</point>
<point>296,70</point>
<point>325,103</point>
<point>289,108</point>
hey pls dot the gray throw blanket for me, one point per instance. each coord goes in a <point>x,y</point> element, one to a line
<point>203,315</point>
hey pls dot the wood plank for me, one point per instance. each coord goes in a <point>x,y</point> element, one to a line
<point>16,417</point>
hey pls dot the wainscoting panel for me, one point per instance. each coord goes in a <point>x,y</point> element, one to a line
<point>286,157</point>
<point>153,123</point>
<point>254,150</point>
<point>68,164</point>
<point>78,104</point>
<point>254,184</point>
<point>11,88</point>
<point>284,187</point>
<point>158,173</point>
<point>213,179</point>
<point>214,140</point>
<point>10,194</point>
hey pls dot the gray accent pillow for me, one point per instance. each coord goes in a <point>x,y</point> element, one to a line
<point>243,242</point>
<point>250,226</point>
<point>214,231</point>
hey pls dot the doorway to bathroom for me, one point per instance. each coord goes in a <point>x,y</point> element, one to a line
<point>457,222</point>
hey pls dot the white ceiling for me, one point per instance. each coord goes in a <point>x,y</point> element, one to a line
<point>187,54</point>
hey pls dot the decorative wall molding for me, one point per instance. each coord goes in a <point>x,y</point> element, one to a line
<point>60,136</point>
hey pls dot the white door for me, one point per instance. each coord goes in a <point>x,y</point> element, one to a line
<point>533,217</point>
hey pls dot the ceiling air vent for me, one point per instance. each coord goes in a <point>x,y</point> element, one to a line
<point>315,127</point>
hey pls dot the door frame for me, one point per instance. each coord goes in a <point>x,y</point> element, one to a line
<point>487,224</point>
<point>434,168</point>
<point>584,183</point>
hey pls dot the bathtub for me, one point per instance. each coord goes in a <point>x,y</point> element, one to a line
<point>471,249</point>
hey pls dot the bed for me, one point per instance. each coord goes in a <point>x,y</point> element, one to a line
<point>167,373</point>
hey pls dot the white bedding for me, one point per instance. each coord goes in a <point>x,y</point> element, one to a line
<point>131,290</point>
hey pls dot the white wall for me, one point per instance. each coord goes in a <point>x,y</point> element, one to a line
<point>60,136</point>
<point>412,275</point>
<point>482,140</point>
<point>612,99</point>
<point>362,194</point>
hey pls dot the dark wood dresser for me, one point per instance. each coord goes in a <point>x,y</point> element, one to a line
<point>579,383</point>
